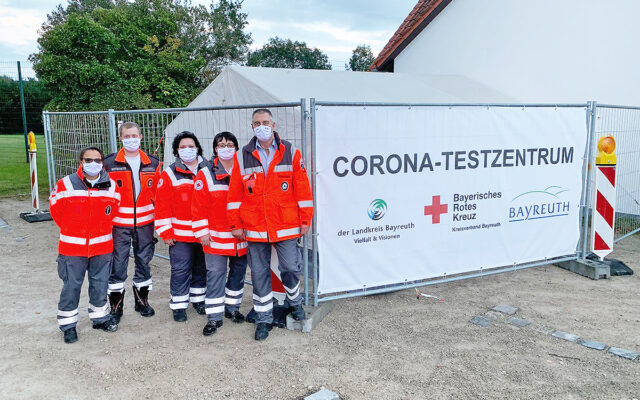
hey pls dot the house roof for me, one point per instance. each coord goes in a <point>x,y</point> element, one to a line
<point>422,14</point>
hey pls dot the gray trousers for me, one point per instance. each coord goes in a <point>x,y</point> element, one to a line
<point>143,247</point>
<point>221,297</point>
<point>188,274</point>
<point>290,266</point>
<point>71,270</point>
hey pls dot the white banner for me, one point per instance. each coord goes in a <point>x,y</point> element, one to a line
<point>405,194</point>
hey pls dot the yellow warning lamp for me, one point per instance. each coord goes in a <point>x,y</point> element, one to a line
<point>606,151</point>
<point>32,142</point>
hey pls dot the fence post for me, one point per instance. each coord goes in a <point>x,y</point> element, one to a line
<point>113,137</point>
<point>24,113</point>
<point>305,243</point>
<point>592,110</point>
<point>314,225</point>
<point>47,141</point>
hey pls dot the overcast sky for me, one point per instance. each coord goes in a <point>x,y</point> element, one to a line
<point>334,26</point>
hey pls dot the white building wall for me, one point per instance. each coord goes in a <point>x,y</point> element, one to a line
<point>536,51</point>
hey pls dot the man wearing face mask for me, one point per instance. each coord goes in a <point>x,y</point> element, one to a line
<point>135,173</point>
<point>83,205</point>
<point>173,225</point>
<point>270,203</point>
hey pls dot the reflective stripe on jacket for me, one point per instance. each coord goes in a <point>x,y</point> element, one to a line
<point>84,215</point>
<point>271,209</point>
<point>209,211</point>
<point>134,212</point>
<point>173,202</point>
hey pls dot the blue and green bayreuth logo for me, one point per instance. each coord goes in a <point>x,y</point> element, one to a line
<point>537,204</point>
<point>377,209</point>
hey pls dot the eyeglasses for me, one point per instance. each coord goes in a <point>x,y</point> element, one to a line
<point>228,146</point>
<point>90,160</point>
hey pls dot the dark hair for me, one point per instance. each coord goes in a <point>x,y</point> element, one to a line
<point>90,148</point>
<point>185,135</point>
<point>129,125</point>
<point>261,110</point>
<point>226,136</point>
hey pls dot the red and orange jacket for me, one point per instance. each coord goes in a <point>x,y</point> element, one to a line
<point>84,214</point>
<point>133,212</point>
<point>173,202</point>
<point>209,211</point>
<point>271,209</point>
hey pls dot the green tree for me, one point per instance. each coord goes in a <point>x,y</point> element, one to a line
<point>361,59</point>
<point>35,97</point>
<point>100,54</point>
<point>285,53</point>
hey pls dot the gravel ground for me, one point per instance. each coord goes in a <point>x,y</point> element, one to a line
<point>390,346</point>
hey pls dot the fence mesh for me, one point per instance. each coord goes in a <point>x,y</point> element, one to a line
<point>14,167</point>
<point>70,132</point>
<point>623,123</point>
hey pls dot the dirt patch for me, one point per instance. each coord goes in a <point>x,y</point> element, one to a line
<point>389,346</point>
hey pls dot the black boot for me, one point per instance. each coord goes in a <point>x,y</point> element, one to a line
<point>141,297</point>
<point>180,315</point>
<point>70,335</point>
<point>262,330</point>
<point>235,316</point>
<point>116,300</point>
<point>297,312</point>
<point>199,307</point>
<point>109,325</point>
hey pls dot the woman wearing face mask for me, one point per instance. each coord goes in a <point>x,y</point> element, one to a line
<point>173,225</point>
<point>210,225</point>
<point>83,206</point>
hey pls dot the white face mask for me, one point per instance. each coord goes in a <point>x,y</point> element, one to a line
<point>131,144</point>
<point>92,169</point>
<point>263,132</point>
<point>188,154</point>
<point>226,153</point>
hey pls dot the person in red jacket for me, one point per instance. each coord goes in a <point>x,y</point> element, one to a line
<point>173,225</point>
<point>135,173</point>
<point>270,203</point>
<point>210,225</point>
<point>83,206</point>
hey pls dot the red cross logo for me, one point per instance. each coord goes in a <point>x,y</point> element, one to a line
<point>435,209</point>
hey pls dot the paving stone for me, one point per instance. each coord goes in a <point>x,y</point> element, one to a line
<point>624,353</point>
<point>521,322</point>
<point>505,309</point>
<point>592,344</point>
<point>323,394</point>
<point>566,336</point>
<point>481,320</point>
<point>494,315</point>
<point>543,329</point>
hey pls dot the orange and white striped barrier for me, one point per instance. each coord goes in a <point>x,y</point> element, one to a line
<point>36,215</point>
<point>603,219</point>
<point>33,170</point>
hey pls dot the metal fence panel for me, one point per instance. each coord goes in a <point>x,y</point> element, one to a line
<point>623,123</point>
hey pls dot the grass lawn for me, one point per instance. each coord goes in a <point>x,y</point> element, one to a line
<point>14,170</point>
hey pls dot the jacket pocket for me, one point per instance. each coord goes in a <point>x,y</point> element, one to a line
<point>62,267</point>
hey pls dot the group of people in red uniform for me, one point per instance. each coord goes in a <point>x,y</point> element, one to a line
<point>217,216</point>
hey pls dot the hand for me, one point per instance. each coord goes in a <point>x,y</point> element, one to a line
<point>205,240</point>
<point>304,229</point>
<point>169,242</point>
<point>238,234</point>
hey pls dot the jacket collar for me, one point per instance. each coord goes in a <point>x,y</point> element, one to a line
<point>144,158</point>
<point>218,169</point>
<point>202,163</point>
